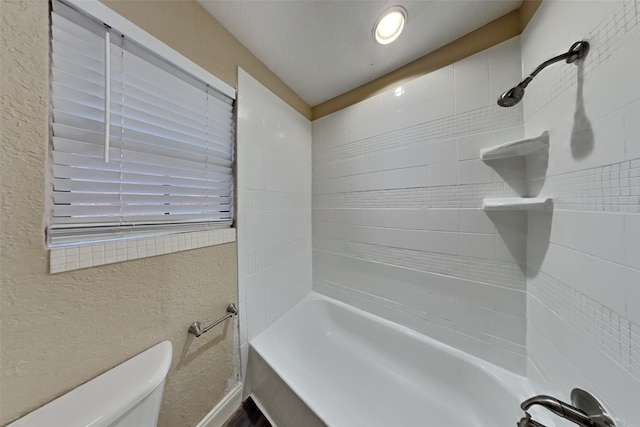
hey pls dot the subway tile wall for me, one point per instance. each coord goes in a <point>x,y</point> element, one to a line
<point>583,283</point>
<point>274,208</point>
<point>398,228</point>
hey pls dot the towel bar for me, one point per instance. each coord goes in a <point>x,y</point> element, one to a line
<point>197,330</point>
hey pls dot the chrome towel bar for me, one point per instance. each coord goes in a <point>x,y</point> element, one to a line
<point>197,330</point>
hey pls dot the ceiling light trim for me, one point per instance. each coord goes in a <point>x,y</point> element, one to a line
<point>385,16</point>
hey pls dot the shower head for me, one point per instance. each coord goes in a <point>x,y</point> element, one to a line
<point>511,97</point>
<point>514,95</point>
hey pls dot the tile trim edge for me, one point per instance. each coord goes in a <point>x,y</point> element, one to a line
<point>103,253</point>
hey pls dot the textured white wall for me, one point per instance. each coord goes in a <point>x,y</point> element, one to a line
<point>584,281</point>
<point>397,191</point>
<point>274,207</point>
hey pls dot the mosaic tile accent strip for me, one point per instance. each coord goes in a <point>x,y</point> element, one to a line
<point>611,188</point>
<point>478,121</point>
<point>77,257</point>
<point>613,334</point>
<point>436,197</point>
<point>492,272</point>
<point>605,40</point>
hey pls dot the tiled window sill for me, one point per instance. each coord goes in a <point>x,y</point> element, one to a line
<point>95,254</point>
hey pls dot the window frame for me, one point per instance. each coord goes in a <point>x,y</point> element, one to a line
<point>169,240</point>
<point>103,13</point>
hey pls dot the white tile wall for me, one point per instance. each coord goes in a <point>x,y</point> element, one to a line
<point>397,224</point>
<point>274,208</point>
<point>584,284</point>
<point>330,145</point>
<point>77,257</point>
<point>499,273</point>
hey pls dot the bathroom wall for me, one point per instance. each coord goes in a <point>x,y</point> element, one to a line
<point>58,331</point>
<point>274,207</point>
<point>398,228</point>
<point>584,280</point>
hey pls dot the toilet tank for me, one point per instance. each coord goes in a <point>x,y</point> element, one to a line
<point>128,395</point>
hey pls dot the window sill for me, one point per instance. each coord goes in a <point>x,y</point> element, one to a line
<point>95,254</point>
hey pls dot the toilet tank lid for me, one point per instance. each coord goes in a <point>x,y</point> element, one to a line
<point>100,401</point>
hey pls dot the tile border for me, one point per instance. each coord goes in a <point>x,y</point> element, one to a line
<point>91,255</point>
<point>609,331</point>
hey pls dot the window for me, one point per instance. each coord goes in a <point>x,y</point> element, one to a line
<point>166,165</point>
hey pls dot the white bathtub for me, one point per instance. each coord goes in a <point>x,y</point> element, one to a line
<point>327,363</point>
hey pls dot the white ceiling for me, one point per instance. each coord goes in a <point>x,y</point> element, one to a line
<point>323,48</point>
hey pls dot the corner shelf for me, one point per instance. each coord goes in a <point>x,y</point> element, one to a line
<point>521,147</point>
<point>538,204</point>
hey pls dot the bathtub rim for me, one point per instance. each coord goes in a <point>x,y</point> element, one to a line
<point>516,384</point>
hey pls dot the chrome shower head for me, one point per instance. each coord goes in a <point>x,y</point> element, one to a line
<point>514,95</point>
<point>511,97</point>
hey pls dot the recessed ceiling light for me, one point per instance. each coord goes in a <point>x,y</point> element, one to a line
<point>390,24</point>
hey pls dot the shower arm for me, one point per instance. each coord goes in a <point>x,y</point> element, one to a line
<point>544,65</point>
<point>576,51</point>
<point>514,95</point>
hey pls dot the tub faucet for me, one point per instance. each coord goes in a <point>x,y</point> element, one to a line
<point>586,411</point>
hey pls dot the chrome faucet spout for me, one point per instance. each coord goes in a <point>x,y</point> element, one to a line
<point>586,411</point>
<point>551,403</point>
<point>559,408</point>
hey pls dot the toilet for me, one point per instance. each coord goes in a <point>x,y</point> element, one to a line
<point>128,395</point>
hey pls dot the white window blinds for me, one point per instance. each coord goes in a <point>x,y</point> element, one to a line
<point>167,163</point>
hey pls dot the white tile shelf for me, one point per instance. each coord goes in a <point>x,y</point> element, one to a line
<point>538,204</point>
<point>521,147</point>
